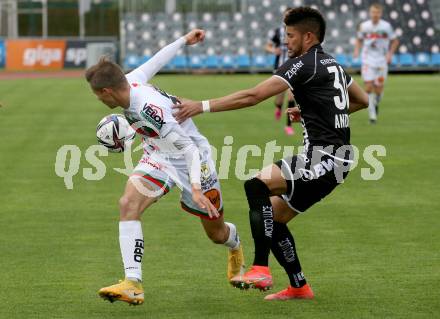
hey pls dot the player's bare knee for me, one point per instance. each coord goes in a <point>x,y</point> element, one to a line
<point>378,90</point>
<point>129,209</point>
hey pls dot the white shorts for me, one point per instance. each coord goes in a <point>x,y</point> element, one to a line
<point>164,173</point>
<point>374,74</point>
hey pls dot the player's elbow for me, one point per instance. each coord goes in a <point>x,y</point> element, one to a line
<point>253,97</point>
<point>358,96</point>
<point>361,102</point>
<point>248,99</point>
<point>364,100</point>
<point>253,100</point>
<point>268,48</point>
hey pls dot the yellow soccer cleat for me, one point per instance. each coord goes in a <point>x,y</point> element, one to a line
<point>126,290</point>
<point>257,277</point>
<point>235,263</point>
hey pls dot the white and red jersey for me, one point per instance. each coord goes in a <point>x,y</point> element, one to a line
<point>150,114</point>
<point>376,42</point>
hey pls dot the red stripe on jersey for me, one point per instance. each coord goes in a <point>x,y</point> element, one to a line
<point>376,36</point>
<point>164,187</point>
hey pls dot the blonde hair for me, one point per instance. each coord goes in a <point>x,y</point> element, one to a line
<point>377,6</point>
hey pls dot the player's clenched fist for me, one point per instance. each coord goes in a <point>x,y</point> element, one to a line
<point>195,36</point>
<point>294,113</point>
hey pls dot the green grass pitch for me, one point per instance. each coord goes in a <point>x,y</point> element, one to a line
<point>369,250</point>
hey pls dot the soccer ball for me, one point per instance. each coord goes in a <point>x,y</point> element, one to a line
<point>113,131</point>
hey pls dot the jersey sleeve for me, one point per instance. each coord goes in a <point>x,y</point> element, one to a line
<point>147,70</point>
<point>391,34</point>
<point>275,38</point>
<point>294,72</point>
<point>348,78</point>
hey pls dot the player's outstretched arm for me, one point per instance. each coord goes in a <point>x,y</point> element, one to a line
<point>237,100</point>
<point>357,48</point>
<point>393,47</point>
<point>358,98</point>
<point>147,70</point>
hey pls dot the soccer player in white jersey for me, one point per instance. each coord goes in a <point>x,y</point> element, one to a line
<point>378,42</point>
<point>174,154</point>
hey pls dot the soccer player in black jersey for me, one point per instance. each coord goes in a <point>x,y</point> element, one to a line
<point>278,47</point>
<point>326,96</point>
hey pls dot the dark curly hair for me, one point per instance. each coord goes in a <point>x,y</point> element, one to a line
<point>307,19</point>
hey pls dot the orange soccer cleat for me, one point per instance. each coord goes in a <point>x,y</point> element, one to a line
<point>305,292</point>
<point>257,277</point>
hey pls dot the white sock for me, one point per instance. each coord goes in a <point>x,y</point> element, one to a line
<point>233,241</point>
<point>379,98</point>
<point>372,106</point>
<point>131,242</point>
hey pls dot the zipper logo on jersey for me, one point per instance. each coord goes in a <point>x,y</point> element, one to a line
<point>154,115</point>
<point>294,69</point>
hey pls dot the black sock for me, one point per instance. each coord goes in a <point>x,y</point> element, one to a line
<point>261,219</point>
<point>289,105</point>
<point>289,121</point>
<point>283,248</point>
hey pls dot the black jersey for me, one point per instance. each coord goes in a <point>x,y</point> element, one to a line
<point>277,39</point>
<point>320,85</point>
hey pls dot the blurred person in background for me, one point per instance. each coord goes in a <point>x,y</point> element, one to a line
<point>378,41</point>
<point>277,46</point>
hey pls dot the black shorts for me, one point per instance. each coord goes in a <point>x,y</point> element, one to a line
<point>312,176</point>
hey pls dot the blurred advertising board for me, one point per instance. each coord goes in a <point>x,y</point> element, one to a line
<point>2,53</point>
<point>27,55</point>
<point>36,54</point>
<point>76,54</point>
